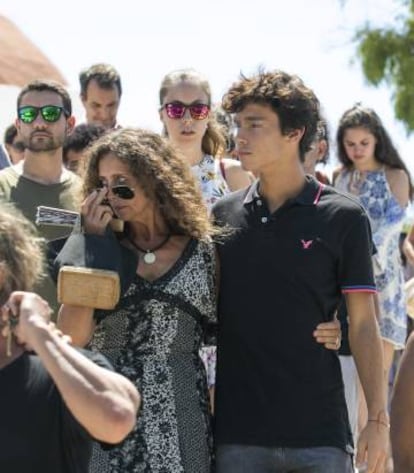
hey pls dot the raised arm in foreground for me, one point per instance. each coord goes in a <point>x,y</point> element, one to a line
<point>103,402</point>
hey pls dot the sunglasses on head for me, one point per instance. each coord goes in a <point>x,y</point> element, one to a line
<point>176,110</point>
<point>120,190</point>
<point>49,113</point>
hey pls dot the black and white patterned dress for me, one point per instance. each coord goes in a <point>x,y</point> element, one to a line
<point>153,338</point>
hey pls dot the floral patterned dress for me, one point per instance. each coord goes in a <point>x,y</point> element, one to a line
<point>210,176</point>
<point>387,218</point>
<point>153,338</point>
<point>213,185</point>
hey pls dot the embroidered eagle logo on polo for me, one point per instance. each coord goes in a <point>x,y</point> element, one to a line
<point>306,244</point>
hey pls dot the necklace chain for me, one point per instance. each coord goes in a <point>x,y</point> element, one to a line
<point>149,254</point>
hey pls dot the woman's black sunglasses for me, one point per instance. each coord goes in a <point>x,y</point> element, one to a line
<point>121,190</point>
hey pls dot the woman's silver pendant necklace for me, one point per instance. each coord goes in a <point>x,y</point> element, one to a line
<point>149,254</point>
<point>150,257</point>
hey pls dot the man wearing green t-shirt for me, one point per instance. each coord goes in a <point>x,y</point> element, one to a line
<point>44,119</point>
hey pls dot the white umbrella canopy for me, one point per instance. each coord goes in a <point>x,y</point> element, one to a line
<point>21,61</point>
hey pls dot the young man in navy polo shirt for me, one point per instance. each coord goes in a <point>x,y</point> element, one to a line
<point>297,246</point>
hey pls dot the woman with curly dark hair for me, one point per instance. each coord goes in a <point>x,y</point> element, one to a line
<point>154,334</point>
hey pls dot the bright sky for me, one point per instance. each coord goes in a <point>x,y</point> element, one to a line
<point>145,40</point>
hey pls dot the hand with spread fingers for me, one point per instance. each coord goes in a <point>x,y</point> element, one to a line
<point>329,334</point>
<point>96,213</point>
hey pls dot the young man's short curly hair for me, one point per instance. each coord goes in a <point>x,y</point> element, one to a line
<point>294,103</point>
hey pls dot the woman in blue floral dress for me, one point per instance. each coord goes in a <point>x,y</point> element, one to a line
<point>373,171</point>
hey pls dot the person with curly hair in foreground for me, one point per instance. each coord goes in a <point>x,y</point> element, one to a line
<point>54,399</point>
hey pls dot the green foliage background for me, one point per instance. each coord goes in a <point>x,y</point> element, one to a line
<point>387,56</point>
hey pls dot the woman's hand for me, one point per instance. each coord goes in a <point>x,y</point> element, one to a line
<point>96,213</point>
<point>330,334</point>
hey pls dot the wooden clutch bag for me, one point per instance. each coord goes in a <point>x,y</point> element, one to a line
<point>88,287</point>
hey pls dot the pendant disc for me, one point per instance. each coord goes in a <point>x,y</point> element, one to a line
<point>149,258</point>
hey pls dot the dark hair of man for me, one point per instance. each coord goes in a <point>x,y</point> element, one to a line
<point>225,120</point>
<point>106,76</point>
<point>49,86</point>
<point>322,133</point>
<point>385,152</point>
<point>10,134</point>
<point>294,103</point>
<point>82,136</point>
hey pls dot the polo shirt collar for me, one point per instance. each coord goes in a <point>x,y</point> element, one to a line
<point>309,195</point>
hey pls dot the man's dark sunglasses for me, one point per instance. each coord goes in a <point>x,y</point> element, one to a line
<point>49,113</point>
<point>121,190</point>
